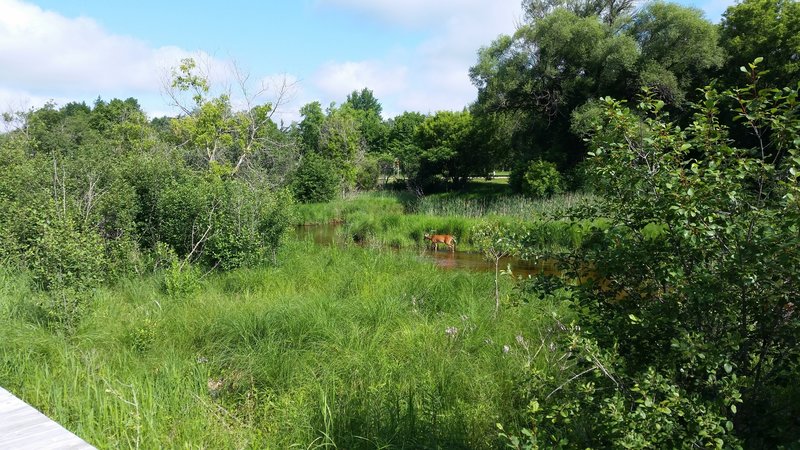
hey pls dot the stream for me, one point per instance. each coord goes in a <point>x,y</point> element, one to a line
<point>325,234</point>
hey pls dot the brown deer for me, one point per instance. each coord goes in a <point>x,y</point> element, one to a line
<point>446,239</point>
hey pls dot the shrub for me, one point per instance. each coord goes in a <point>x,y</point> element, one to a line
<point>223,223</point>
<point>367,174</point>
<point>537,179</point>
<point>315,181</point>
<point>62,256</point>
<point>698,259</point>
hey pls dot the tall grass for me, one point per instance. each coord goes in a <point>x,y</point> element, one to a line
<point>508,206</point>
<point>344,348</point>
<point>374,203</point>
<point>457,204</point>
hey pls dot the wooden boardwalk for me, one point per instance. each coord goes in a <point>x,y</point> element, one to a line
<point>23,427</point>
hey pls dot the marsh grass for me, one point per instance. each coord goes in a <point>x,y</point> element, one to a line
<point>334,347</point>
<point>374,203</point>
<point>466,205</point>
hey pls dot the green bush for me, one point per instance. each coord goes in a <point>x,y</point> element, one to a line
<point>537,179</point>
<point>62,256</point>
<point>315,181</point>
<point>223,223</point>
<point>601,406</point>
<point>698,260</point>
<point>367,174</point>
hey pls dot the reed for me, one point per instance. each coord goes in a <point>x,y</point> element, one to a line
<point>501,205</point>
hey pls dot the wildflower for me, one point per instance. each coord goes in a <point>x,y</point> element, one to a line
<point>451,331</point>
<point>520,340</point>
<point>506,349</point>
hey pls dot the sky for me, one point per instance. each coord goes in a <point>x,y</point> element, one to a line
<point>413,54</point>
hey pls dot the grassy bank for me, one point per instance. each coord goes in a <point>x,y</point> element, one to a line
<point>347,348</point>
<point>371,203</point>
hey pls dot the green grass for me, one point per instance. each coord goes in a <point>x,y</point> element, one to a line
<point>375,203</point>
<point>480,200</point>
<point>480,205</point>
<point>344,348</point>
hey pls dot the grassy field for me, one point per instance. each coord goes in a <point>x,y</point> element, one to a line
<point>333,348</point>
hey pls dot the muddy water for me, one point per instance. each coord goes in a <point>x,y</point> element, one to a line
<point>461,260</point>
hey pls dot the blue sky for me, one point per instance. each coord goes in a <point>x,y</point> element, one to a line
<point>414,54</point>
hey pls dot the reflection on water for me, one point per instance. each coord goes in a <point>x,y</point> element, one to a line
<point>474,261</point>
<point>326,235</point>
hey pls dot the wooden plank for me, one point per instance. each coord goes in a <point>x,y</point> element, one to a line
<point>22,427</point>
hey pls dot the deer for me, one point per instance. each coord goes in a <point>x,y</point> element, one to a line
<point>445,239</point>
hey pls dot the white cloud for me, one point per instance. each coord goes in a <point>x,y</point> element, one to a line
<point>434,75</point>
<point>336,80</point>
<point>417,12</point>
<point>45,55</point>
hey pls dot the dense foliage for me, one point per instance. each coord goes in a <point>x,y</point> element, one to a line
<point>540,86</point>
<point>92,194</point>
<point>315,180</point>
<point>689,325</point>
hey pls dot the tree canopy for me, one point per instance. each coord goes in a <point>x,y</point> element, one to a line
<point>566,55</point>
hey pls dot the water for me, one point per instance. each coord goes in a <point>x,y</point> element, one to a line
<point>457,260</point>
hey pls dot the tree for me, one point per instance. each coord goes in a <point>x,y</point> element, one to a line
<point>496,241</point>
<point>315,181</point>
<point>548,68</point>
<point>364,101</point>
<point>538,179</point>
<point>342,143</point>
<point>122,120</point>
<point>368,110</point>
<point>763,28</point>
<point>564,57</point>
<point>214,130</point>
<point>311,126</point>
<point>403,148</point>
<point>403,130</point>
<point>678,49</point>
<point>442,150</point>
<point>608,10</point>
